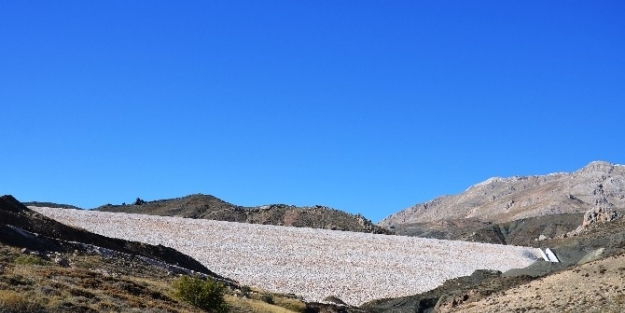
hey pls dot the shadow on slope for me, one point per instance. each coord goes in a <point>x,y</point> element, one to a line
<point>22,227</point>
<point>523,232</point>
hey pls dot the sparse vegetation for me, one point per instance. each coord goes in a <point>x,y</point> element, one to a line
<point>205,294</point>
<point>245,291</point>
<point>11,301</point>
<point>96,281</point>
<point>267,298</point>
<point>29,260</point>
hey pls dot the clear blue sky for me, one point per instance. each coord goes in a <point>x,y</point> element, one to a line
<point>364,106</point>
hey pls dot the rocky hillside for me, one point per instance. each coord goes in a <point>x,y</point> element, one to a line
<point>50,205</point>
<point>22,227</point>
<point>503,200</point>
<point>46,266</point>
<point>212,208</point>
<point>590,277</point>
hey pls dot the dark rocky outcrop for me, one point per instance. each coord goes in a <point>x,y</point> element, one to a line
<point>22,227</point>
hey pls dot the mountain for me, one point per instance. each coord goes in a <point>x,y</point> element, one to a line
<point>590,275</point>
<point>502,200</point>
<point>209,207</point>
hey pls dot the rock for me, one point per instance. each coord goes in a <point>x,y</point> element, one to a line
<point>592,256</point>
<point>450,301</point>
<point>542,237</point>
<point>60,261</point>
<point>334,300</point>
<point>598,215</point>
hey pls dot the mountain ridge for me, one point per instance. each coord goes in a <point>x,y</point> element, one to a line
<point>210,207</point>
<point>513,198</point>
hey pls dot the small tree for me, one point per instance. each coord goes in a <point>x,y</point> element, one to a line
<point>204,294</point>
<point>139,201</point>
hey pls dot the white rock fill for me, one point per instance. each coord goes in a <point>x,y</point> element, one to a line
<point>313,263</point>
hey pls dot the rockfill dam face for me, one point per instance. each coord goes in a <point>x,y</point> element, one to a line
<point>313,263</point>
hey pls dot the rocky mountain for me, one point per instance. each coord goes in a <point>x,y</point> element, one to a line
<point>46,266</point>
<point>503,200</point>
<point>212,208</point>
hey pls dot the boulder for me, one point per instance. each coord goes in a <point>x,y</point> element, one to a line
<point>598,215</point>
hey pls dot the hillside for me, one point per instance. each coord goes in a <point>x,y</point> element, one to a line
<point>19,223</point>
<point>592,258</point>
<point>211,208</point>
<point>589,278</point>
<point>46,266</point>
<point>507,199</point>
<point>523,232</point>
<point>49,205</point>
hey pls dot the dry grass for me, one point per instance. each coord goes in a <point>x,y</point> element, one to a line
<point>96,284</point>
<point>11,301</point>
<point>245,305</point>
<point>598,286</point>
<point>28,287</point>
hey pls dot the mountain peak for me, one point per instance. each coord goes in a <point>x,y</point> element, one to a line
<point>499,199</point>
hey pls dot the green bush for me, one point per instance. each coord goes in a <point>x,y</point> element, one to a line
<point>204,294</point>
<point>29,260</point>
<point>246,290</point>
<point>268,299</point>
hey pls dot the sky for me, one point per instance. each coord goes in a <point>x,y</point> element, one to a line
<point>363,106</point>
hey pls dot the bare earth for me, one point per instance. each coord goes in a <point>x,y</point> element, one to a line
<point>594,287</point>
<point>314,263</point>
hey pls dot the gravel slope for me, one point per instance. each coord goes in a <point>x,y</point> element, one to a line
<point>314,263</point>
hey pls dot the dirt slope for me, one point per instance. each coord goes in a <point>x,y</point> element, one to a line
<point>595,287</point>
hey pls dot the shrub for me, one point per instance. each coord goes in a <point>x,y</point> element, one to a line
<point>267,298</point>
<point>246,290</point>
<point>204,294</point>
<point>29,260</point>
